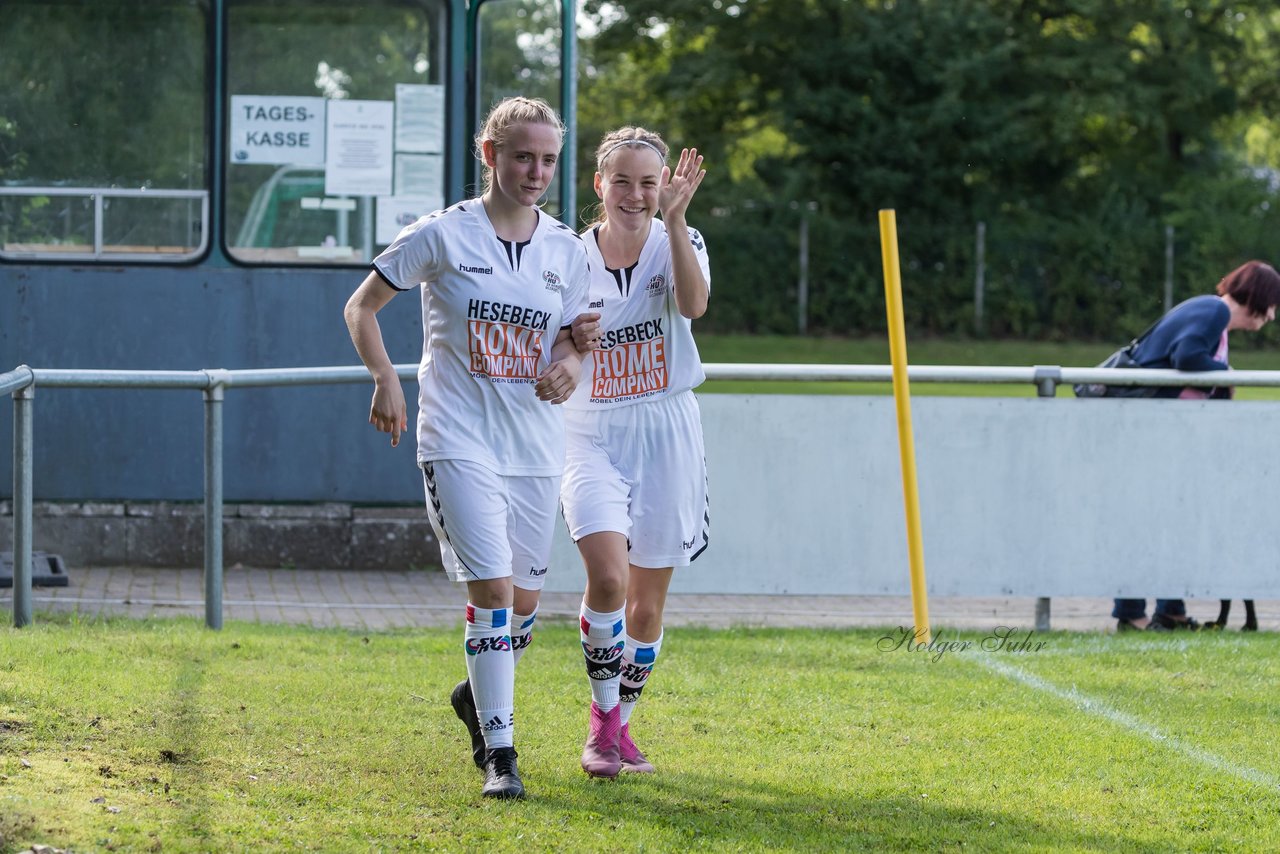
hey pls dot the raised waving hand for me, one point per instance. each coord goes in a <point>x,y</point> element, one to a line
<point>679,185</point>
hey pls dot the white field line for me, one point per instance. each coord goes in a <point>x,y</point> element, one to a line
<point>1127,721</point>
<point>1093,643</point>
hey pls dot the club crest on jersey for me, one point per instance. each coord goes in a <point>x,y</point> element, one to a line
<point>656,287</point>
<point>552,280</point>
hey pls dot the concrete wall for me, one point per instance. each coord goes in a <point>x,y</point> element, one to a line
<point>1019,497</point>
<point>331,535</point>
<point>1027,497</point>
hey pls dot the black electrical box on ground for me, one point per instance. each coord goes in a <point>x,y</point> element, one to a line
<point>46,570</point>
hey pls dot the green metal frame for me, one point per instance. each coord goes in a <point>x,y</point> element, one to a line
<point>461,121</point>
<point>470,123</point>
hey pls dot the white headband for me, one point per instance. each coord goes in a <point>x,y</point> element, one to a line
<point>648,145</point>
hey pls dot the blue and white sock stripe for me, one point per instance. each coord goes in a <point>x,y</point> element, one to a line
<point>645,655</point>
<point>600,630</point>
<point>497,617</point>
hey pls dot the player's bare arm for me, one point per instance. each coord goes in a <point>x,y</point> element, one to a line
<point>678,188</point>
<point>560,378</point>
<point>387,413</point>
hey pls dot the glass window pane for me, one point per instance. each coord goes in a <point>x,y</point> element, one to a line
<point>98,94</point>
<point>335,123</point>
<point>137,225</point>
<point>519,50</point>
<point>51,226</point>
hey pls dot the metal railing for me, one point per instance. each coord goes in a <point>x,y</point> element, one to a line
<point>100,249</point>
<point>23,381</point>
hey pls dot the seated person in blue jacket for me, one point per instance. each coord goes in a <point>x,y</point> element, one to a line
<point>1193,337</point>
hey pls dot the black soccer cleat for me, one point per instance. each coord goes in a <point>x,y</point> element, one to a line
<point>464,706</point>
<point>501,779</point>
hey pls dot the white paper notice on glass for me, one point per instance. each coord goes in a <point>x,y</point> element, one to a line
<point>277,129</point>
<point>395,212</point>
<point>419,175</point>
<point>419,117</point>
<point>358,148</point>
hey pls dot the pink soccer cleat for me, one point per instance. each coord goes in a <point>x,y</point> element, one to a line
<point>600,753</point>
<point>633,761</point>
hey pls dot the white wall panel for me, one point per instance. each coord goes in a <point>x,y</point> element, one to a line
<point>1019,496</point>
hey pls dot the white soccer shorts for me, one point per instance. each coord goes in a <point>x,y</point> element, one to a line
<point>490,525</point>
<point>639,470</point>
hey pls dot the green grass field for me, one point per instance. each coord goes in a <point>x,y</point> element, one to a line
<point>926,351</point>
<point>164,736</point>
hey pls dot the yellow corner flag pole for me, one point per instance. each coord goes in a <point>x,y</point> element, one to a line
<point>902,399</point>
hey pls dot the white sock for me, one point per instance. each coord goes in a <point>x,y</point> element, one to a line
<point>602,648</point>
<point>522,633</point>
<point>492,670</point>
<point>638,658</point>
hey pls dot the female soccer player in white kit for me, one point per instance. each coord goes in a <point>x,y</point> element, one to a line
<point>635,482</point>
<point>500,282</point>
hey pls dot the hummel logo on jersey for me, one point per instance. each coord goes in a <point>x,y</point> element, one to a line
<point>494,723</point>
<point>475,646</point>
<point>688,544</point>
<point>596,304</point>
<point>552,280</point>
<point>486,271</point>
<point>534,572</point>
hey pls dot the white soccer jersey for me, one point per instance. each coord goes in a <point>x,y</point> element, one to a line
<point>491,310</point>
<point>647,348</point>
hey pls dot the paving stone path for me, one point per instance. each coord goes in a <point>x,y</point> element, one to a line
<point>373,600</point>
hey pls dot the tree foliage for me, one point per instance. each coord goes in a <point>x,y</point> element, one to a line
<point>102,109</point>
<point>1076,130</point>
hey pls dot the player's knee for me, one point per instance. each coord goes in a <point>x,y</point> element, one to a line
<point>490,593</point>
<point>606,587</point>
<point>525,601</point>
<point>644,619</point>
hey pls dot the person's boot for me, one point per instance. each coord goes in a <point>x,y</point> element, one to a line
<point>501,778</point>
<point>1250,617</point>
<point>1224,611</point>
<point>600,753</point>
<point>632,760</point>
<point>464,706</point>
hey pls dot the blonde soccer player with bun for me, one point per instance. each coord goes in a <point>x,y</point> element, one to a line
<point>635,482</point>
<point>500,282</point>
